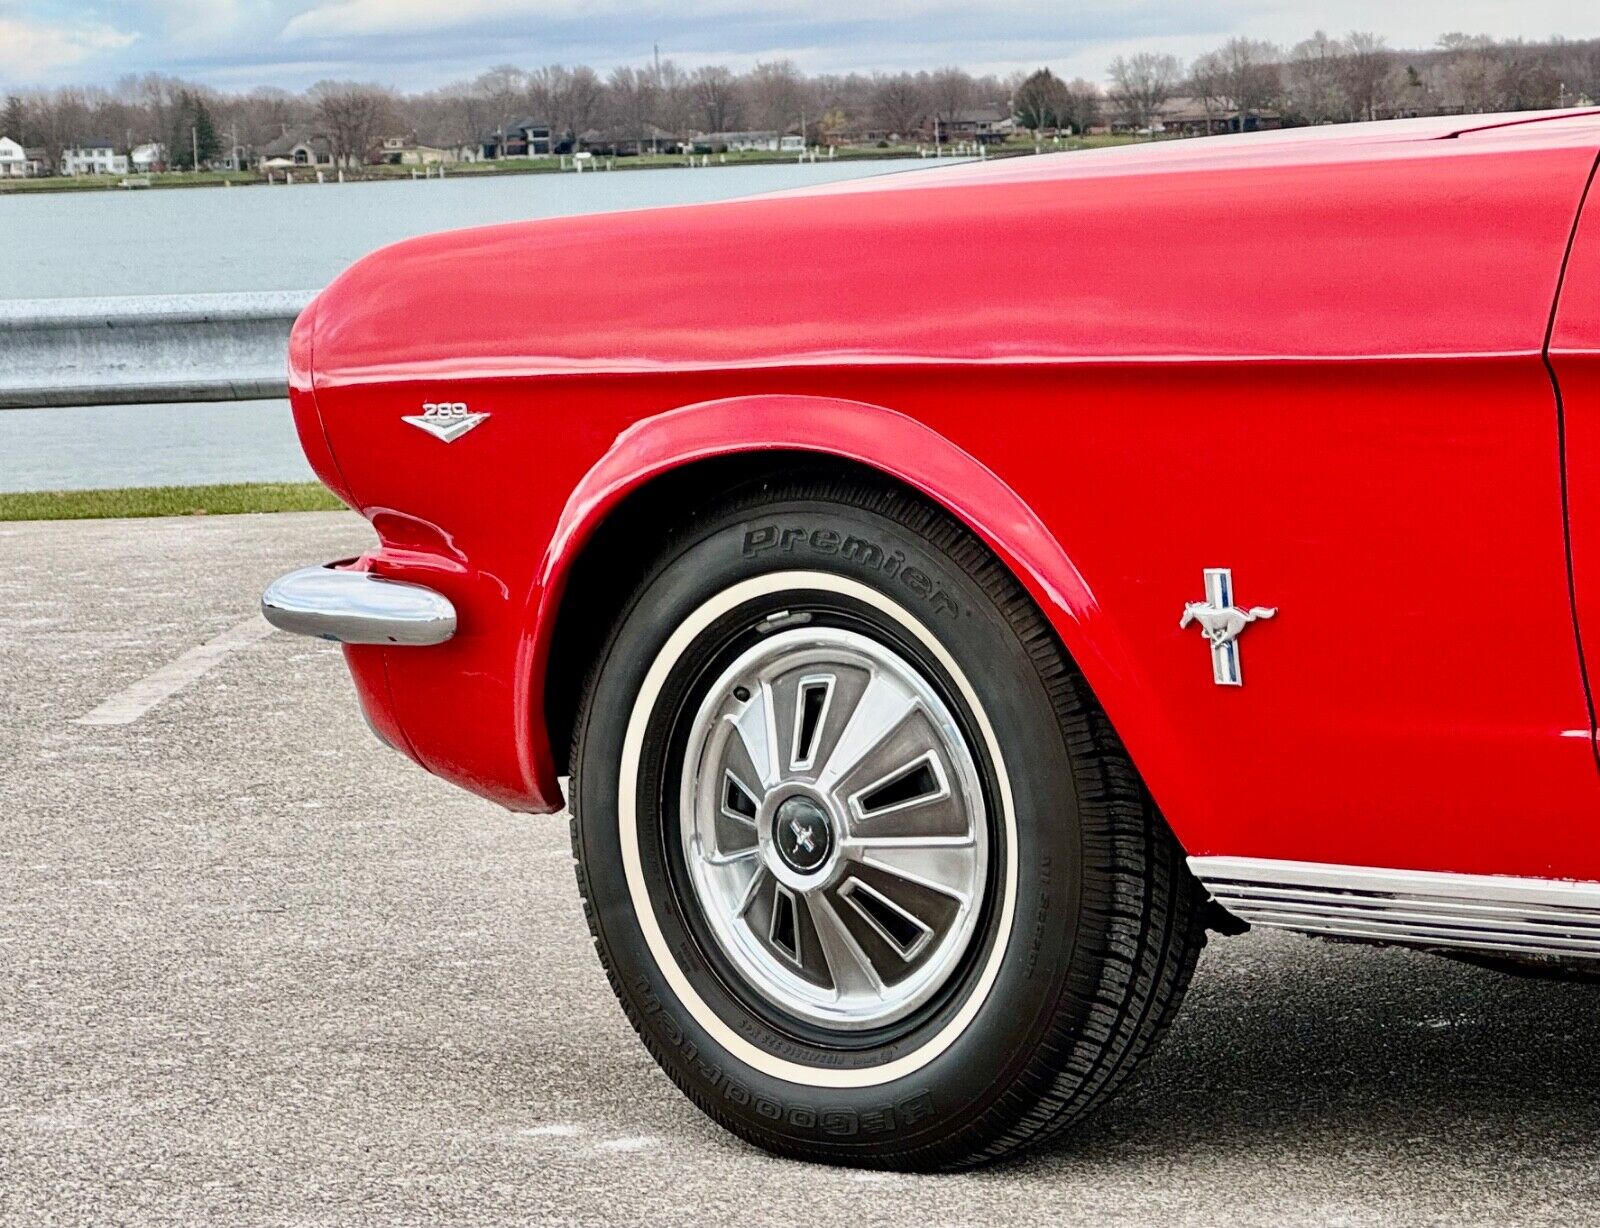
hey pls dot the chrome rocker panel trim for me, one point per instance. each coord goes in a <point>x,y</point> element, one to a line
<point>1475,912</point>
<point>356,607</point>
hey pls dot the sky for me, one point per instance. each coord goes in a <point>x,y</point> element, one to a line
<point>418,44</point>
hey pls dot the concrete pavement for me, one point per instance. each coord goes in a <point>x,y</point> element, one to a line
<point>256,969</point>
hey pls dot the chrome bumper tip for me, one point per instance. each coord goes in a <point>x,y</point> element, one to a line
<point>356,607</point>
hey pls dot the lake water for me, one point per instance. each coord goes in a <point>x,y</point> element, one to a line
<point>267,238</point>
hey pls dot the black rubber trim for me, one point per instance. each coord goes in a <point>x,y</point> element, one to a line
<point>1562,460</point>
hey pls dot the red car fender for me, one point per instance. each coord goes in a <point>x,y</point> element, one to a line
<point>896,445</point>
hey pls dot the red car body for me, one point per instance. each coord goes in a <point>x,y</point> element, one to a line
<point>1359,366</point>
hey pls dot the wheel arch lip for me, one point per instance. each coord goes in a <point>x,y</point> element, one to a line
<point>876,437</point>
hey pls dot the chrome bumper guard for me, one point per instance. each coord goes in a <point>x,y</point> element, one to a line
<point>356,607</point>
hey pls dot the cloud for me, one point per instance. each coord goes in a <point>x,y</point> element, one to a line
<point>346,18</point>
<point>201,22</point>
<point>434,39</point>
<point>418,44</point>
<point>330,19</point>
<point>32,50</point>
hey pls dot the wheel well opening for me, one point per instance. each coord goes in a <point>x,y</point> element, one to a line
<point>630,539</point>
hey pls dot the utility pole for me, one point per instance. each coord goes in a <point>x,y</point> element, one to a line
<point>234,133</point>
<point>655,48</point>
<point>194,145</point>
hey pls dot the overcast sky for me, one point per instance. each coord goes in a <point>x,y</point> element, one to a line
<point>417,44</point>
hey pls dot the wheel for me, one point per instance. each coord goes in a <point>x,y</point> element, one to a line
<point>866,865</point>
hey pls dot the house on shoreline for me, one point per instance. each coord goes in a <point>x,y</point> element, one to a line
<point>413,150</point>
<point>1185,116</point>
<point>17,162</point>
<point>977,125</point>
<point>95,155</point>
<point>297,147</point>
<point>148,158</point>
<point>749,142</point>
<point>524,138</point>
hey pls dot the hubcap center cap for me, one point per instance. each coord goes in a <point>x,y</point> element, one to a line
<point>803,834</point>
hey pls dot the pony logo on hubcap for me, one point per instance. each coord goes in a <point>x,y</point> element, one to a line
<point>803,834</point>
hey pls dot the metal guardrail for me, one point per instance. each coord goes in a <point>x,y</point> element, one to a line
<point>147,349</point>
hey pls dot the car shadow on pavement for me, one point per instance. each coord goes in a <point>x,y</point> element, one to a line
<point>1313,1049</point>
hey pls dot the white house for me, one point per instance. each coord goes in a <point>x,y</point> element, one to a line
<point>411,150</point>
<point>94,156</point>
<point>744,142</point>
<point>14,160</point>
<point>151,156</point>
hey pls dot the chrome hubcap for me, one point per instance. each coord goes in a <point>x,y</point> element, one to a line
<point>833,827</point>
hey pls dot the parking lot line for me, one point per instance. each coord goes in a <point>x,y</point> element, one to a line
<point>129,705</point>
<point>641,1142</point>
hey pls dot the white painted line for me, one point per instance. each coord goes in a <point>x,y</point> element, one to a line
<point>554,1130</point>
<point>129,705</point>
<point>639,1143</point>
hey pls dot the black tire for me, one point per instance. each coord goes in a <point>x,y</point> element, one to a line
<point>1107,920</point>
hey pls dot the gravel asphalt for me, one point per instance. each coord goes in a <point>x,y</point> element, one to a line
<point>256,969</point>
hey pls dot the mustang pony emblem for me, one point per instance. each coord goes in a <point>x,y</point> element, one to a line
<point>1222,622</point>
<point>802,836</point>
<point>1222,626</point>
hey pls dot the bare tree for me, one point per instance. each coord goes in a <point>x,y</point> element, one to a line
<point>1313,78</point>
<point>504,91</point>
<point>1528,80</point>
<point>675,105</point>
<point>1208,84</point>
<point>1249,76</point>
<point>582,102</point>
<point>1407,91</point>
<point>1471,82</point>
<point>352,117</point>
<point>1457,41</point>
<point>159,97</point>
<point>60,120</point>
<point>1577,66</point>
<point>457,114</point>
<point>777,95</point>
<point>950,92</point>
<point>631,102</point>
<point>1363,71</point>
<point>1142,83</point>
<point>849,102</point>
<point>1080,105</point>
<point>900,102</point>
<point>716,95</point>
<point>546,97</point>
<point>266,113</point>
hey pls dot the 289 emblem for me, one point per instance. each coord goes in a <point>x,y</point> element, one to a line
<point>447,421</point>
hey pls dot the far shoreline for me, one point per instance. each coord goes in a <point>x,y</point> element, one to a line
<point>307,176</point>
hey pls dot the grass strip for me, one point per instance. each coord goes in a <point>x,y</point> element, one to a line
<point>223,500</point>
